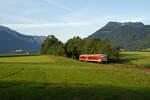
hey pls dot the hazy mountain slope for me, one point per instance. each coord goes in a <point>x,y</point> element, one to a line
<point>130,36</point>
<point>11,40</point>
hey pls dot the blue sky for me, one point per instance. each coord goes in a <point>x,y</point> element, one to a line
<point>68,18</point>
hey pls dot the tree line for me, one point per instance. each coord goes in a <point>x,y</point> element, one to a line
<point>77,46</point>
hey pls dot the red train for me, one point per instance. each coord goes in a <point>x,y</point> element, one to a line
<point>94,57</point>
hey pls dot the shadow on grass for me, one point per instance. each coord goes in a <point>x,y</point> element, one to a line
<point>74,91</point>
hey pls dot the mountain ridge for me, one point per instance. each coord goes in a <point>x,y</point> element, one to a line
<point>128,35</point>
<point>11,40</point>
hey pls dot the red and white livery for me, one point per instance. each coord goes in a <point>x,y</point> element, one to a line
<point>94,57</point>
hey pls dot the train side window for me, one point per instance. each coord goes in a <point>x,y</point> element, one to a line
<point>92,57</point>
<point>83,57</point>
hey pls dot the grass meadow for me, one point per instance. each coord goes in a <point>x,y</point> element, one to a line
<point>60,78</point>
<point>138,59</point>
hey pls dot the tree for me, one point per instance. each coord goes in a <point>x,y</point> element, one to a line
<point>91,46</point>
<point>76,46</point>
<point>73,47</point>
<point>49,41</point>
<point>52,46</point>
<point>115,53</point>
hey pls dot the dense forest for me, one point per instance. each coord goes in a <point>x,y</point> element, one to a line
<point>76,46</point>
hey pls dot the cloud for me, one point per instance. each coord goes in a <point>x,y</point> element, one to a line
<point>46,25</point>
<point>137,19</point>
<point>16,19</point>
<point>61,6</point>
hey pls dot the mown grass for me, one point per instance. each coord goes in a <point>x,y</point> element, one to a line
<point>17,55</point>
<point>139,59</point>
<point>60,78</point>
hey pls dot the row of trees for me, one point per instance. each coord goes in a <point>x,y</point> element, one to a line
<point>76,46</point>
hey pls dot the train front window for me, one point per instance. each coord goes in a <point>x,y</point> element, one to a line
<point>104,57</point>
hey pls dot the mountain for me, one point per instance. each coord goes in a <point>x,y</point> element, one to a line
<point>10,41</point>
<point>128,35</point>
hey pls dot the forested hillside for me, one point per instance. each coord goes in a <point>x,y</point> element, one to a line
<point>10,41</point>
<point>129,36</point>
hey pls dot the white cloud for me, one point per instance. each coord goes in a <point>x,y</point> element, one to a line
<point>59,5</point>
<point>46,25</point>
<point>16,19</point>
<point>137,19</point>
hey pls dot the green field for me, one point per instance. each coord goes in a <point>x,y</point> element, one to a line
<point>138,59</point>
<point>60,78</point>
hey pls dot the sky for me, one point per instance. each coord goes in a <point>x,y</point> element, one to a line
<point>68,18</point>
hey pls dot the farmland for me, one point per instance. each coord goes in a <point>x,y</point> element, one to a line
<point>59,78</point>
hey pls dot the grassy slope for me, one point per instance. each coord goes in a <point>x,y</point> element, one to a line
<point>139,59</point>
<point>59,78</point>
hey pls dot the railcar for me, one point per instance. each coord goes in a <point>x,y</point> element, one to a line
<point>94,58</point>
